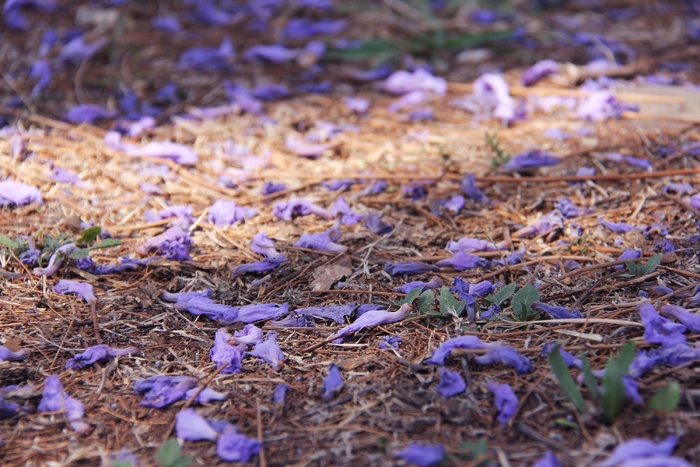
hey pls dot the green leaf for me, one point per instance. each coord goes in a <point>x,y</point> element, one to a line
<point>653,262</point>
<point>425,302</point>
<point>8,242</point>
<point>368,49</point>
<point>89,235</point>
<point>566,423</point>
<point>169,453</point>
<point>502,295</point>
<point>613,391</point>
<point>118,463</point>
<point>183,462</point>
<point>527,295</point>
<point>667,398</point>
<point>449,304</point>
<point>412,295</point>
<point>106,243</point>
<point>79,253</point>
<point>589,378</point>
<point>626,356</point>
<point>567,383</point>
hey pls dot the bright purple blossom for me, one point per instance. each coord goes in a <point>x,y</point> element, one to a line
<point>470,189</point>
<point>173,244</point>
<point>491,97</point>
<point>264,245</point>
<point>258,266</point>
<point>434,283</point>
<point>568,209</point>
<point>451,383</point>
<point>660,330</point>
<point>375,224</point>
<point>507,356</point>
<point>228,213</point>
<point>538,71</point>
<point>96,353</point>
<point>404,82</point>
<point>688,319</point>
<point>82,289</point>
<point>461,342</point>
<point>55,399</point>
<point>269,351</point>
<point>198,303</point>
<point>225,353</point>
<point>505,400</point>
<point>206,395</point>
<point>18,193</point>
<point>279,394</point>
<point>320,241</point>
<point>332,382</point>
<point>250,335</point>
<point>462,261</point>
<point>161,391</point>
<point>191,426</point>
<point>271,53</point>
<point>372,318</point>
<point>422,455</point>
<point>299,206</point>
<point>409,267</point>
<point>556,312</point>
<point>10,356</point>
<point>602,105</point>
<point>348,217</point>
<point>125,264</point>
<point>236,447</point>
<point>269,188</point>
<point>529,161</point>
<point>618,227</point>
<point>639,449</point>
<point>261,311</point>
<point>469,244</point>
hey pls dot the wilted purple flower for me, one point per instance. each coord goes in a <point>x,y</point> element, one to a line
<point>548,460</point>
<point>556,312</point>
<point>83,289</point>
<point>374,189</point>
<point>404,82</point>
<point>279,394</point>
<point>491,311</point>
<point>299,206</point>
<point>264,245</point>
<point>198,303</point>
<point>461,342</point>
<point>272,53</point>
<point>269,188</point>
<point>661,290</point>
<point>678,188</point>
<point>689,320</point>
<point>339,184</point>
<point>372,74</point>
<point>183,213</point>
<point>421,115</point>
<point>31,255</point>
<point>319,241</point>
<point>481,289</point>
<point>96,353</point>
<point>173,244</point>
<point>390,342</point>
<point>422,455</point>
<point>538,71</point>
<point>271,91</point>
<point>414,191</point>
<point>10,356</point>
<point>491,95</point>
<point>301,28</point>
<point>41,71</point>
<point>228,213</point>
<point>507,356</point>
<point>505,400</point>
<point>165,150</point>
<point>332,382</point>
<point>161,391</point>
<point>540,226</point>
<point>206,395</point>
<point>261,311</point>
<point>54,399</point>
<point>191,426</point>
<point>628,255</point>
<point>568,209</point>
<point>372,318</point>
<point>208,58</point>
<point>434,283</point>
<point>451,383</point>
<point>269,351</point>
<point>56,260</point>
<point>224,353</point>
<point>235,447</point>
<point>375,224</point>
<point>638,449</point>
<point>462,261</point>
<point>455,204</point>
<point>529,161</point>
<point>18,193</point>
<point>469,244</point>
<point>335,313</point>
<point>461,286</point>
<point>602,105</point>
<point>348,217</point>
<point>250,335</point>
<point>259,266</point>
<point>241,97</point>
<point>679,354</point>
<point>619,227</point>
<point>125,264</point>
<point>89,113</point>
<point>695,201</point>
<point>470,189</point>
<point>357,104</point>
<point>409,267</point>
<point>569,359</point>
<point>660,330</point>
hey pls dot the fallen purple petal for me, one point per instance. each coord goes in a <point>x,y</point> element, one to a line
<point>18,193</point>
<point>451,383</point>
<point>462,261</point>
<point>470,189</point>
<point>688,319</point>
<point>267,264</point>
<point>173,244</point>
<point>336,313</point>
<point>260,312</point>
<point>56,260</point>
<point>462,342</point>
<point>660,330</point>
<point>161,391</point>
<point>89,113</point>
<point>569,359</point>
<point>548,460</point>
<point>319,241</point>
<point>434,283</point>
<point>375,224</point>
<point>507,356</point>
<point>269,351</point>
<point>390,342</point>
<point>530,161</point>
<point>409,267</point>
<point>469,245</point>
<point>299,206</point>
<point>373,318</point>
<point>206,395</point>
<point>82,289</point>
<point>10,356</point>
<point>505,401</point>
<point>404,82</point>
<point>235,447</point>
<point>332,382</point>
<point>279,394</point>
<point>225,353</point>
<point>539,71</point>
<point>556,312</point>
<point>638,449</point>
<point>55,399</point>
<point>165,150</point>
<point>96,353</point>
<point>422,455</point>
<point>191,426</point>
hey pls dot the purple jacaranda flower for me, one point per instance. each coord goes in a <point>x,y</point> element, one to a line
<point>451,383</point>
<point>414,191</point>
<point>191,426</point>
<point>491,311</point>
<point>96,353</point>
<point>422,455</point>
<point>434,283</point>
<point>660,330</point>
<point>10,356</point>
<point>461,286</point>
<point>374,189</point>
<point>208,58</point>
<point>89,113</point>
<point>618,227</point>
<point>228,213</point>
<point>31,255</point>
<point>274,53</point>
<point>695,296</point>
<point>469,244</point>
<point>18,193</point>
<point>198,303</point>
<point>7,410</point>
<point>372,318</point>
<point>304,149</point>
<point>688,319</point>
<point>455,204</point>
<point>358,105</point>
<point>173,244</point>
<point>544,224</point>
<point>183,213</point>
<point>348,217</point>
<point>166,150</point>
<point>225,353</point>
<point>679,354</point>
<point>491,97</point>
<point>319,241</point>
<point>336,313</point>
<point>125,264</point>
<point>299,206</point>
<point>315,88</point>
<point>161,391</point>
<point>301,28</point>
<point>42,72</point>
<point>638,449</point>
<point>56,260</point>
<point>602,105</point>
<point>568,209</point>
<point>678,188</point>
<point>409,267</point>
<point>269,188</point>
<point>269,351</point>
<point>375,224</point>
<point>548,460</point>
<point>206,395</point>
<point>258,266</point>
<point>82,289</point>
<point>628,255</point>
<point>507,356</point>
<point>657,461</point>
<point>569,359</point>
<point>261,311</point>
<point>461,342</point>
<point>695,201</point>
<point>468,185</point>
<point>339,184</point>
<point>538,71</point>
<point>629,160</point>
<point>505,400</point>
<point>404,82</point>
<point>371,74</point>
<point>661,290</point>
<point>77,50</point>
<point>529,161</point>
<point>294,320</point>
<point>462,261</point>
<point>241,97</point>
<point>481,289</point>
<point>390,342</point>
<point>270,91</point>
<point>233,446</point>
<point>250,335</point>
<point>332,382</point>
<point>264,245</point>
<point>41,5</point>
<point>412,99</point>
<point>55,399</point>
<point>556,312</point>
<point>279,394</point>
<point>168,23</point>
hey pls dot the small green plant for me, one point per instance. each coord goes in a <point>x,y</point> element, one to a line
<point>118,463</point>
<point>666,399</point>
<point>581,244</point>
<point>476,452</point>
<point>642,269</point>
<point>502,295</point>
<point>522,301</point>
<point>170,455</point>
<point>449,304</point>
<point>500,156</point>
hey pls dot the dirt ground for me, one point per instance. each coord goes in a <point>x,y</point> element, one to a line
<point>389,397</point>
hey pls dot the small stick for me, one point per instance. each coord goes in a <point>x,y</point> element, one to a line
<point>258,417</point>
<point>96,327</point>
